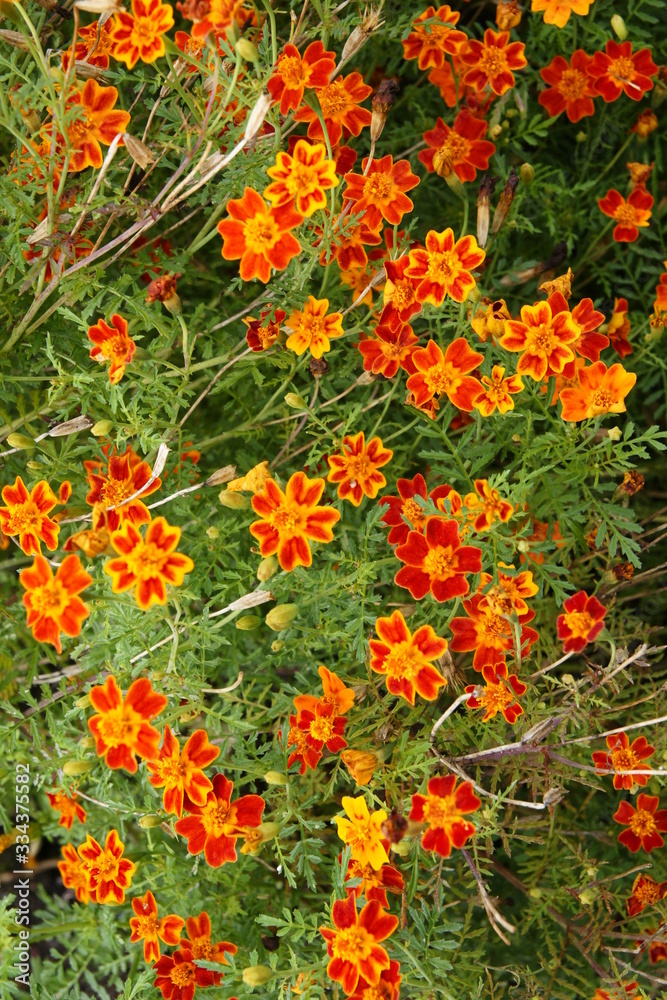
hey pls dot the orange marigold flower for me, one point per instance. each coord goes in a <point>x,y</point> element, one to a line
<point>489,320</point>
<point>52,602</point>
<point>374,884</point>
<point>26,515</point>
<point>618,70</point>
<point>631,215</point>
<point>261,334</point>
<point>334,693</point>
<point>449,81</point>
<point>347,246</point>
<point>646,123</point>
<point>493,61</point>
<point>98,123</point>
<point>259,236</point>
<point>581,623</point>
<point>543,339</point>
<point>109,874</point>
<point>443,810</point>
<point>570,88</point>
<point>389,349</point>
<point>431,42</point>
<point>380,192</point>
<point>304,175</point>
<point>180,772</point>
<point>312,329</point>
<point>125,476</point>
<point>439,373</point>
<point>623,993</point>
<point>645,892</point>
<point>339,103</point>
<point>500,693</point>
<point>407,659</point>
<point>146,565</point>
<point>218,16</point>
<point>558,11</point>
<point>600,390</point>
<point>121,727</point>
<point>293,73</point>
<point>589,343</point>
<point>323,727</point>
<point>387,987</point>
<point>74,874</point>
<point>304,751</point>
<point>493,507</point>
<point>146,926</point>
<point>399,294</point>
<point>625,756</point>
<point>68,807</point>
<point>510,593</point>
<point>461,148</point>
<point>645,823</point>
<point>639,173</point>
<point>112,343</point>
<point>498,392</point>
<point>355,469</point>
<point>444,266</point>
<point>290,519</point>
<point>214,827</point>
<point>361,766</point>
<point>138,35</point>
<point>362,831</point>
<point>93,45</point>
<point>437,562</point>
<point>354,942</point>
<point>198,942</point>
<point>405,513</point>
<point>177,976</point>
<point>489,633</point>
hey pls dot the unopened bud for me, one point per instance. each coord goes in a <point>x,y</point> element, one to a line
<point>72,768</point>
<point>220,476</point>
<point>295,401</point>
<point>281,616</point>
<point>87,743</point>
<point>267,568</point>
<point>138,150</point>
<point>486,189</point>
<point>402,848</point>
<point>20,441</point>
<point>14,38</point>
<point>381,103</point>
<point>508,15</point>
<point>233,500</point>
<point>527,173</point>
<point>587,897</point>
<point>277,645</point>
<point>163,290</point>
<point>257,975</point>
<point>247,50</point>
<point>495,131</point>
<point>149,822</point>
<point>618,26</point>
<point>257,116</point>
<point>248,622</point>
<point>275,778</point>
<point>523,546</point>
<point>454,184</point>
<point>83,701</point>
<point>34,466</point>
<point>213,533</point>
<point>101,428</point>
<point>505,202</point>
<point>71,427</point>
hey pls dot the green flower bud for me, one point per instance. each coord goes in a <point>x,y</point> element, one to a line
<point>149,822</point>
<point>233,500</point>
<point>257,975</point>
<point>248,622</point>
<point>275,778</point>
<point>247,50</point>
<point>281,616</point>
<point>527,173</point>
<point>267,568</point>
<point>101,428</point>
<point>621,32</point>
<point>72,768</point>
<point>20,441</point>
<point>295,401</point>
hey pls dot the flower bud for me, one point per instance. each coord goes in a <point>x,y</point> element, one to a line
<point>267,568</point>
<point>508,15</point>
<point>527,173</point>
<point>295,401</point>
<point>257,975</point>
<point>220,476</point>
<point>87,743</point>
<point>248,622</point>
<point>505,202</point>
<point>381,103</point>
<point>275,778</point>
<point>163,290</point>
<point>233,500</point>
<point>101,428</point>
<point>247,50</point>
<point>495,131</point>
<point>149,822</point>
<point>486,189</point>
<point>34,466</point>
<point>619,29</point>
<point>213,532</point>
<point>281,616</point>
<point>14,38</point>
<point>277,645</point>
<point>138,150</point>
<point>72,768</point>
<point>402,848</point>
<point>588,896</point>
<point>20,441</point>
<point>83,701</point>
<point>360,764</point>
<point>318,367</point>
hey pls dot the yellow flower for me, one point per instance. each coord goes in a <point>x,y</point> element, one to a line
<point>253,481</point>
<point>360,764</point>
<point>363,832</point>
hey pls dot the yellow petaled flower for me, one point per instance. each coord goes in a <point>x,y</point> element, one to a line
<point>312,329</point>
<point>360,764</point>
<point>363,832</point>
<point>253,481</point>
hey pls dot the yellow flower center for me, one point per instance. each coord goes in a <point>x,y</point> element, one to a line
<point>626,215</point>
<point>201,948</point>
<point>333,99</point>
<point>359,468</point>
<point>214,818</point>
<point>147,926</point>
<point>440,812</point>
<point>291,70</point>
<point>261,233</point>
<point>107,866</point>
<point>49,600</point>
<point>623,760</point>
<point>413,512</point>
<point>623,69</point>
<point>114,491</point>
<point>25,517</point>
<point>443,266</point>
<point>439,379</point>
<point>183,974</point>
<point>286,520</point>
<point>602,401</point>
<point>643,823</point>
<point>120,726</point>
<point>383,991</point>
<point>403,662</point>
<point>438,562</point>
<point>353,944</point>
<point>496,697</point>
<point>572,84</point>
<point>146,561</point>
<point>492,62</point>
<point>143,30</point>
<point>378,187</point>
<point>647,893</point>
<point>453,150</point>
<point>321,728</point>
<point>401,294</point>
<point>540,339</point>
<point>171,771</point>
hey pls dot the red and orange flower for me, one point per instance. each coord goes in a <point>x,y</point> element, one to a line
<point>570,87</point>
<point>406,659</point>
<point>486,506</point>
<point>181,772</point>
<point>488,632</point>
<point>112,343</point>
<point>146,565</point>
<point>146,926</point>
<point>354,943</point>
<point>259,236</point>
<point>215,826</point>
<point>433,37</point>
<point>645,892</point>
<point>448,373</point>
<point>26,515</point>
<point>293,73</point>
<point>389,349</point>
<point>444,267</point>
<point>139,35</point>
<point>436,562</point>
<point>461,148</point>
<point>625,756</point>
<point>581,623</point>
<point>379,192</point>
<point>543,339</point>
<point>121,726</point>
<point>618,70</point>
<point>291,519</point>
<point>645,823</point>
<point>618,328</point>
<point>339,103</point>
<point>558,11</point>
<point>198,942</point>
<point>68,807</point>
<point>599,390</point>
<point>493,61</point>
<point>631,214</point>
<point>355,469</point>
<point>262,334</point>
<point>109,873</point>
<point>97,124</point>
<point>52,602</point>
<point>126,477</point>
<point>177,976</point>
<point>302,178</point>
<point>498,392</point>
<point>501,693</point>
<point>405,513</point>
<point>443,810</point>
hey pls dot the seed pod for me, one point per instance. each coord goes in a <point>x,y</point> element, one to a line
<point>370,23</point>
<point>87,743</point>
<point>281,616</point>
<point>83,701</point>
<point>14,38</point>
<point>257,116</point>
<point>382,101</point>
<point>163,290</point>
<point>71,427</point>
<point>505,202</point>
<point>138,150</point>
<point>486,189</point>
<point>220,476</point>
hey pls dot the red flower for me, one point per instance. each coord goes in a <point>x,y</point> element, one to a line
<point>68,807</point>
<point>146,565</point>
<point>93,45</point>
<point>214,827</point>
<point>147,927</point>
<point>52,602</point>
<point>177,977</point>
<point>74,874</point>
<point>570,87</point>
<point>347,247</point>
<point>645,823</point>
<point>218,16</point>
<point>97,123</point>
<point>439,373</point>
<point>262,335</point>
<point>291,519</point>
<point>631,215</point>
<point>339,103</point>
<point>139,35</point>
<point>354,943</point>
<point>443,810</point>
<point>180,772</point>
<point>389,349</point>
<point>109,874</point>
<point>112,343</point>
<point>618,329</point>
<point>430,43</point>
<point>355,469</point>
<point>488,633</point>
<point>26,516</point>
<point>645,892</point>
<point>444,266</point>
<point>126,475</point>
<point>493,61</point>
<point>121,727</point>
<point>406,659</point>
<point>493,507</point>
<point>294,72</point>
<point>498,392</point>
<point>380,191</point>
<point>304,751</point>
<point>304,175</point>
<point>405,513</point>
<point>599,390</point>
<point>388,985</point>
<point>581,623</point>
<point>624,756</point>
<point>543,339</point>
<point>461,148</point>
<point>323,728</point>
<point>617,70</point>
<point>198,942</point>
<point>437,562</point>
<point>500,694</point>
<point>259,236</point>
